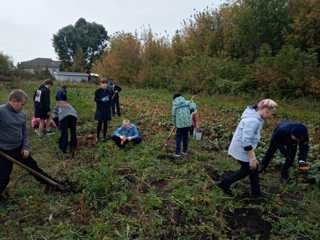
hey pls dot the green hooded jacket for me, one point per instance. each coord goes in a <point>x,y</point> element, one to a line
<point>181,112</point>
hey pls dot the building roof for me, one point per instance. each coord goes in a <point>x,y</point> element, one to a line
<point>39,63</point>
<point>71,74</point>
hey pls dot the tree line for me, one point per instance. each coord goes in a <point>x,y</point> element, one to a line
<point>272,46</point>
<point>265,47</point>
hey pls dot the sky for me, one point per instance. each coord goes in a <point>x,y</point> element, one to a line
<point>27,27</point>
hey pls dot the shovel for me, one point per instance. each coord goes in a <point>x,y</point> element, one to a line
<point>35,173</point>
<point>165,144</point>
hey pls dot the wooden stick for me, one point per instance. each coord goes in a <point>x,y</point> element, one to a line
<point>48,180</point>
<point>170,134</point>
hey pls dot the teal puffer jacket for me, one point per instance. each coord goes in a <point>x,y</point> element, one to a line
<point>181,112</point>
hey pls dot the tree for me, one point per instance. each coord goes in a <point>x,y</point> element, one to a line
<point>88,38</point>
<point>6,64</point>
<point>305,26</point>
<point>121,59</point>
<point>262,22</point>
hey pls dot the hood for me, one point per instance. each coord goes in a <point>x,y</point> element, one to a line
<point>179,101</point>
<point>250,112</point>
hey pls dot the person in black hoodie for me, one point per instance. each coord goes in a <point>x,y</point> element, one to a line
<point>103,109</point>
<point>41,101</point>
<point>286,138</point>
<point>115,100</point>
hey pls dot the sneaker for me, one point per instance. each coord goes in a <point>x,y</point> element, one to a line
<point>185,154</point>
<point>38,132</point>
<point>225,189</point>
<point>177,155</point>
<point>106,138</point>
<point>99,139</point>
<point>49,132</point>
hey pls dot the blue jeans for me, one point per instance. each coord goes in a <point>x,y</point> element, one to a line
<point>182,135</point>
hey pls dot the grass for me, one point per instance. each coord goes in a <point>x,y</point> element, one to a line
<point>141,193</point>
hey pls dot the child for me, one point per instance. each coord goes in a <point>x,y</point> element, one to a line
<point>67,117</point>
<point>115,100</point>
<point>128,132</point>
<point>286,137</point>
<point>35,123</point>
<point>182,120</point>
<point>41,100</point>
<point>103,109</point>
<point>62,94</point>
<point>244,143</point>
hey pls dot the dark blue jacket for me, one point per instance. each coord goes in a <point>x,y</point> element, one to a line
<point>61,95</point>
<point>103,103</point>
<point>282,137</point>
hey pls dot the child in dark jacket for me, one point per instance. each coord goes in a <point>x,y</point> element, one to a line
<point>115,100</point>
<point>285,138</point>
<point>62,94</point>
<point>41,100</point>
<point>103,109</point>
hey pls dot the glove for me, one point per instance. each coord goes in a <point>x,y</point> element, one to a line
<point>105,99</point>
<point>302,163</point>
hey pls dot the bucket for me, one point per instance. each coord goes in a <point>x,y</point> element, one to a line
<point>197,135</point>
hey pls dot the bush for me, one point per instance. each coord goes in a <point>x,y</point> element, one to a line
<point>289,73</point>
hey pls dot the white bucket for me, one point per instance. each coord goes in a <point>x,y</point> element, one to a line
<point>197,135</point>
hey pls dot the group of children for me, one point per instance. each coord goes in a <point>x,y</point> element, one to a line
<point>286,137</point>
<point>64,116</point>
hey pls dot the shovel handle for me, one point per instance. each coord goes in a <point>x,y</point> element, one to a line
<point>11,159</point>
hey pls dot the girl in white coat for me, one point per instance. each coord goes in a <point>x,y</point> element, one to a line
<point>244,143</point>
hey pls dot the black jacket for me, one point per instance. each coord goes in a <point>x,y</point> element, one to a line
<point>282,137</point>
<point>41,99</point>
<point>115,92</point>
<point>103,108</point>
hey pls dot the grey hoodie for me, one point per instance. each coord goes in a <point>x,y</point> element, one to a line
<point>248,133</point>
<point>62,112</point>
<point>13,130</point>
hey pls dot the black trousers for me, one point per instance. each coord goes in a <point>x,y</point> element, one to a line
<point>115,104</point>
<point>6,167</point>
<point>243,172</point>
<point>67,124</point>
<point>104,125</point>
<point>182,136</point>
<point>117,140</point>
<point>289,152</point>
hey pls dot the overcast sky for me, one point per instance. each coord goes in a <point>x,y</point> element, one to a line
<point>26,27</point>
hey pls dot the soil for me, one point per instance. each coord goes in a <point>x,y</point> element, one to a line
<point>248,221</point>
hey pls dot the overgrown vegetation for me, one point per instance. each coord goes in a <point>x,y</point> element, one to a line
<point>244,46</point>
<point>142,193</point>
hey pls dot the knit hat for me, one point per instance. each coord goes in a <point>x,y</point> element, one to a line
<point>300,131</point>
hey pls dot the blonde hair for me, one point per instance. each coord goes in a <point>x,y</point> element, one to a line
<point>125,122</point>
<point>267,103</point>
